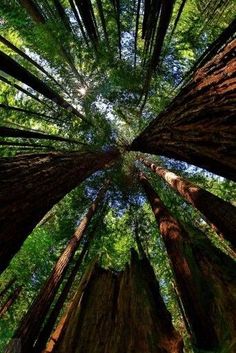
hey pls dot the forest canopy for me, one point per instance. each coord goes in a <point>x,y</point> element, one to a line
<point>118,123</point>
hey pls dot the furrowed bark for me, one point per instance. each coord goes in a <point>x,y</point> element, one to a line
<point>220,214</point>
<point>31,324</point>
<point>205,278</point>
<point>31,184</point>
<point>121,312</point>
<point>12,68</point>
<point>10,301</point>
<point>199,125</point>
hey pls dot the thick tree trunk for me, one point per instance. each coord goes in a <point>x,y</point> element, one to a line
<point>33,10</point>
<point>31,324</point>
<point>199,125</point>
<point>31,184</point>
<point>117,313</point>
<point>220,214</point>
<point>10,301</point>
<point>7,287</point>
<point>12,68</point>
<point>205,278</point>
<point>51,320</point>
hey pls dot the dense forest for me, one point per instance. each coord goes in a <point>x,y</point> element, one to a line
<point>117,176</point>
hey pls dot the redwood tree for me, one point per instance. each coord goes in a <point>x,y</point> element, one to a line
<point>205,278</point>
<point>199,125</point>
<point>31,324</point>
<point>10,301</point>
<point>119,312</point>
<point>220,214</point>
<point>31,184</point>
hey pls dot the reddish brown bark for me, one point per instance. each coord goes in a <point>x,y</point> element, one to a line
<point>199,125</point>
<point>33,10</point>
<point>31,184</point>
<point>220,214</point>
<point>202,274</point>
<point>31,324</point>
<point>121,312</point>
<point>10,301</point>
<point>51,320</point>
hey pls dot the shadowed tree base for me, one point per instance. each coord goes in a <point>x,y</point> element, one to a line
<point>117,313</point>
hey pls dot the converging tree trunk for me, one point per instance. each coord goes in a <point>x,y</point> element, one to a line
<point>12,68</point>
<point>31,184</point>
<point>199,125</point>
<point>10,301</point>
<point>31,324</point>
<point>205,278</point>
<point>220,214</point>
<point>51,320</point>
<point>119,312</point>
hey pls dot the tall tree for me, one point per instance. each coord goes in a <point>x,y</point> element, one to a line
<point>12,68</point>
<point>120,302</point>
<point>202,274</point>
<point>199,125</point>
<point>10,301</point>
<point>220,214</point>
<point>31,324</point>
<point>31,184</point>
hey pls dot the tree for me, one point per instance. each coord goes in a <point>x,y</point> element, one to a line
<point>29,328</point>
<point>198,126</point>
<point>220,214</point>
<point>44,180</point>
<point>201,273</point>
<point>10,301</point>
<point>120,302</point>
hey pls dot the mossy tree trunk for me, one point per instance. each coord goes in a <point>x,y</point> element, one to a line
<point>31,184</point>
<point>220,214</point>
<point>205,278</point>
<point>199,125</point>
<point>119,313</point>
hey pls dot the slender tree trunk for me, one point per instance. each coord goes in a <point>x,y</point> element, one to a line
<point>205,278</point>
<point>29,59</point>
<point>7,287</point>
<point>31,184</point>
<point>31,324</point>
<point>10,301</point>
<point>12,68</point>
<point>220,214</point>
<point>119,313</point>
<point>13,132</point>
<point>51,320</point>
<point>199,125</point>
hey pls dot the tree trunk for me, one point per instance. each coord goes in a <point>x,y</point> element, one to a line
<point>220,214</point>
<point>121,312</point>
<point>28,58</point>
<point>13,132</point>
<point>51,320</point>
<point>7,287</point>
<point>12,68</point>
<point>199,125</point>
<point>33,10</point>
<point>205,278</point>
<point>31,184</point>
<point>31,324</point>
<point>10,301</point>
